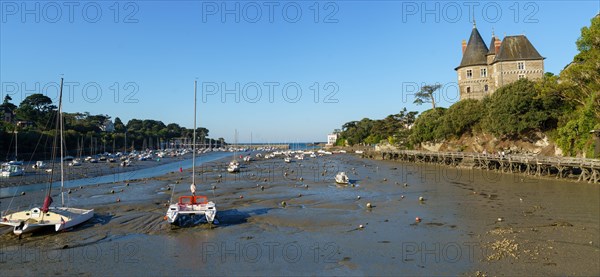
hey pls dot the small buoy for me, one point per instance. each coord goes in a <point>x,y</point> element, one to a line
<point>168,188</point>
<point>127,184</point>
<point>385,179</point>
<point>262,187</point>
<point>369,205</point>
<point>283,203</point>
<point>220,176</point>
<point>176,182</point>
<point>300,195</point>
<point>358,197</point>
<point>301,179</point>
<point>361,226</point>
<point>165,217</point>
<point>265,179</point>
<point>118,199</point>
<point>23,193</point>
<point>500,219</point>
<point>421,198</point>
<point>402,196</point>
<point>306,186</point>
<point>112,191</point>
<point>122,190</point>
<point>417,219</point>
<point>69,191</point>
<point>521,199</point>
<point>285,174</point>
<point>80,187</point>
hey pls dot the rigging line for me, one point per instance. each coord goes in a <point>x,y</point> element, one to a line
<point>10,145</point>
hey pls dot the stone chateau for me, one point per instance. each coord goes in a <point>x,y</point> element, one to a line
<point>482,70</point>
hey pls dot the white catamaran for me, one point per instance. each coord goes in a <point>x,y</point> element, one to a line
<point>188,206</point>
<point>60,218</point>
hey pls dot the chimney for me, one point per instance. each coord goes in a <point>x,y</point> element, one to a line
<point>497,45</point>
<point>464,46</point>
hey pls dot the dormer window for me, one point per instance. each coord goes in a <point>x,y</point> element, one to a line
<point>469,73</point>
<point>520,65</point>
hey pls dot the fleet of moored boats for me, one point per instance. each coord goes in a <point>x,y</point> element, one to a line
<point>187,208</point>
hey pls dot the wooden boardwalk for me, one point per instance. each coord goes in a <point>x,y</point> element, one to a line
<point>586,170</point>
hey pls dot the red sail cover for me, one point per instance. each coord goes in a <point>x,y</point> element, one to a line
<point>47,203</point>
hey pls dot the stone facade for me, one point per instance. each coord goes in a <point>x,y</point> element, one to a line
<point>482,71</point>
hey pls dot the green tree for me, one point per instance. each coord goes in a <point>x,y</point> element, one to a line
<point>462,117</point>
<point>38,109</point>
<point>517,108</point>
<point>7,105</point>
<point>582,76</point>
<point>119,126</point>
<point>426,95</point>
<point>427,127</point>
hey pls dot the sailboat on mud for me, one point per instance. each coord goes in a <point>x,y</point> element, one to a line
<point>188,207</point>
<point>60,218</point>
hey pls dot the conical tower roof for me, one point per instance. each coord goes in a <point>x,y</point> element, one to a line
<point>475,52</point>
<point>492,46</point>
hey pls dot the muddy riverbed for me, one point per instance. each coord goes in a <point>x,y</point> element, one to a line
<point>281,218</point>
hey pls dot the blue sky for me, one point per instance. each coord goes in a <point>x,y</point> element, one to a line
<point>352,59</point>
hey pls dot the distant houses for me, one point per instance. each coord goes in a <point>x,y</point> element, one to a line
<point>108,126</point>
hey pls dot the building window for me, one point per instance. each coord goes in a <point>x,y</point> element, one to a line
<point>485,88</point>
<point>520,65</point>
<point>521,76</point>
<point>484,72</point>
<point>468,89</point>
<point>469,73</point>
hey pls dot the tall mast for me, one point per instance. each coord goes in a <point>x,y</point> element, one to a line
<point>16,144</point>
<point>194,139</point>
<point>62,171</point>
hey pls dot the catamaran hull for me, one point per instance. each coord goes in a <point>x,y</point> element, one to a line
<point>57,218</point>
<point>83,216</point>
<point>176,214</point>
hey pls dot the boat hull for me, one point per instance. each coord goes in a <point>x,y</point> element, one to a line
<point>60,218</point>
<point>178,211</point>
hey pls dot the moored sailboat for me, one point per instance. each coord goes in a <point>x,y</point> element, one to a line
<point>189,206</point>
<point>60,218</point>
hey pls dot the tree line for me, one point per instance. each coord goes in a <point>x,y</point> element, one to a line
<point>566,107</point>
<point>34,122</point>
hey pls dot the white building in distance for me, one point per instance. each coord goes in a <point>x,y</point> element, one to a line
<point>331,139</point>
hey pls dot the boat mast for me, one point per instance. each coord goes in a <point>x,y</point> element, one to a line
<point>194,138</point>
<point>62,170</point>
<point>16,145</point>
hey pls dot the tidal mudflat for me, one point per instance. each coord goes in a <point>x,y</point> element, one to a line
<point>281,218</point>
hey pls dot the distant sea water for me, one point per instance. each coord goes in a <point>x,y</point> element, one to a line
<point>292,146</point>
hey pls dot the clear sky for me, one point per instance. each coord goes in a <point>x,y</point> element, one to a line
<point>348,59</point>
